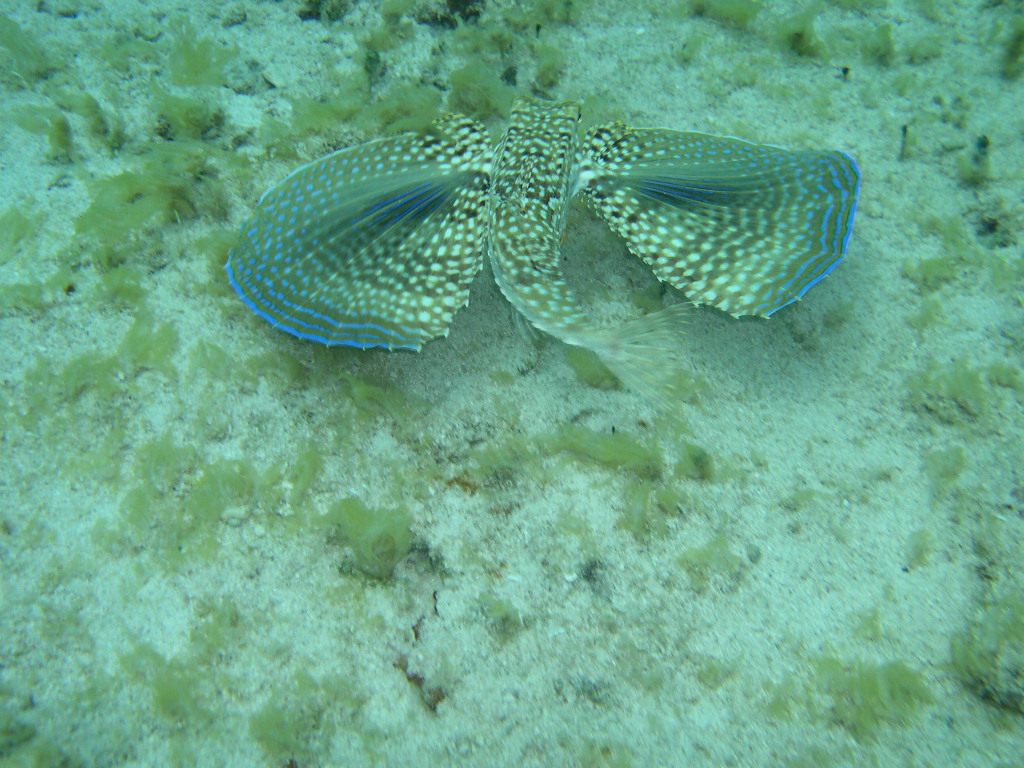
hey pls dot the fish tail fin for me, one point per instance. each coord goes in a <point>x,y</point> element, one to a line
<point>644,354</point>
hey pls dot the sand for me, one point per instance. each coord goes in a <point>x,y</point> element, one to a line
<point>840,585</point>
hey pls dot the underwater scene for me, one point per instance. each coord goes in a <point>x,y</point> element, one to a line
<point>489,383</point>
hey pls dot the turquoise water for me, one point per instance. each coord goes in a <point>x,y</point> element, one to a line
<point>223,545</point>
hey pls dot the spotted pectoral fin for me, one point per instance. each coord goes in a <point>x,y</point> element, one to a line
<point>374,245</point>
<point>747,228</point>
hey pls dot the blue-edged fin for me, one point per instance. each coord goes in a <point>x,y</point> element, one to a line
<point>374,245</point>
<point>747,228</point>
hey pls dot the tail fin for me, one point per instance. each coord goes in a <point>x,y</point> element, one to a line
<point>644,353</point>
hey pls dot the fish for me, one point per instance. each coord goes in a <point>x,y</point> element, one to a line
<point>376,245</point>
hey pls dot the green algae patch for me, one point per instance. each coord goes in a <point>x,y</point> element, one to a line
<point>179,690</point>
<point>162,463</point>
<point>185,117</point>
<point>695,464</point>
<point>149,346</point>
<point>800,500</point>
<point>504,620</point>
<point>974,166</point>
<point>645,512</point>
<point>712,673</point>
<point>211,359</point>
<point>122,287</point>
<point>798,33</point>
<point>300,717</point>
<point>959,391</point>
<point>927,316</point>
<point>601,754</point>
<point>223,483</point>
<point>551,62</point>
<point>498,466</point>
<point>782,699</point>
<point>920,547</point>
<point>534,14</point>
<point>172,513</point>
<point>281,731</point>
<point>611,449</point>
<point>590,369</point>
<point>16,227</point>
<point>879,46</point>
<point>26,57</point>
<point>929,273</point>
<point>189,530</point>
<point>988,657</point>
<point>688,387</point>
<point>173,183</point>
<point>196,60</point>
<point>105,126</point>
<point>406,107</point>
<point>734,13</point>
<point>279,369</point>
<point>307,466</point>
<point>714,560</point>
<point>865,696</point>
<point>314,116</point>
<point>51,123</point>
<point>1012,64</point>
<point>944,466</point>
<point>868,625</point>
<point>379,539</point>
<point>376,400</point>
<point>87,372</point>
<point>146,346</point>
<point>479,91</point>
<point>24,297</point>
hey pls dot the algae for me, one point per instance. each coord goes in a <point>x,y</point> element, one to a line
<point>196,60</point>
<point>504,620</point>
<point>307,466</point>
<point>106,126</point>
<point>378,539</point>
<point>478,90</point>
<point>16,227</point>
<point>29,59</point>
<point>715,559</point>
<point>590,369</point>
<point>735,13</point>
<point>958,391</point>
<point>865,695</point>
<point>122,287</point>
<point>920,547</point>
<point>179,690</point>
<point>931,272</point>
<point>695,464</point>
<point>988,656</point>
<point>186,117</point>
<point>929,313</point>
<point>612,449</point>
<point>643,514</point>
<point>174,182</point>
<point>797,32</point>
<point>1012,64</point>
<point>944,466</point>
<point>551,61</point>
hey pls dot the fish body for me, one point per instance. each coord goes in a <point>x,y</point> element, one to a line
<point>376,245</point>
<point>535,168</point>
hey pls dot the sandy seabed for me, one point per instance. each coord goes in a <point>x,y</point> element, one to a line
<point>814,558</point>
